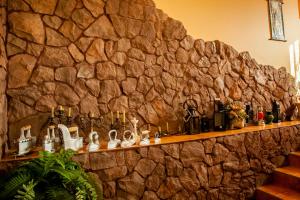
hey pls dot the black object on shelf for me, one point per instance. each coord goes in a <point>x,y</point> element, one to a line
<point>219,116</point>
<point>192,117</point>
<point>276,112</point>
<point>204,124</point>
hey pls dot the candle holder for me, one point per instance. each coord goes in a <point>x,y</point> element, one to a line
<point>69,120</point>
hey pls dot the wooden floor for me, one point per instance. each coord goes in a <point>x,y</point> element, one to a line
<point>286,182</point>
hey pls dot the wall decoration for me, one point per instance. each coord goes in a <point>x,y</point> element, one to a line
<point>276,20</point>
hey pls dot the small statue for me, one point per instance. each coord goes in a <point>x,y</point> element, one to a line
<point>157,139</point>
<point>136,136</point>
<point>94,142</point>
<point>128,141</point>
<point>25,141</point>
<point>113,141</point>
<point>145,138</point>
<point>192,118</point>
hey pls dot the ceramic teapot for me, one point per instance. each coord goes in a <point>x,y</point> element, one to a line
<point>113,141</point>
<point>128,139</point>
<point>94,142</point>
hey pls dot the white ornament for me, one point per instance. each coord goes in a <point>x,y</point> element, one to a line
<point>94,142</point>
<point>128,139</point>
<point>145,138</point>
<point>74,143</point>
<point>113,141</point>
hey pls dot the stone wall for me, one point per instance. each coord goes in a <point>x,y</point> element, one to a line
<point>101,56</point>
<point>229,167</point>
<point>3,70</point>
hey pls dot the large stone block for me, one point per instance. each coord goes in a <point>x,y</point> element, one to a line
<point>20,69</point>
<point>28,26</point>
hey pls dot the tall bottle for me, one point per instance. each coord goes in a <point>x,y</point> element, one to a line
<point>219,116</point>
<point>276,111</point>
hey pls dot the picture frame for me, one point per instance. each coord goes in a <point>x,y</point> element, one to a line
<point>276,20</point>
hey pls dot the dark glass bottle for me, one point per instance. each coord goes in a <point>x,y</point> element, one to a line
<point>248,109</point>
<point>276,112</point>
<point>204,124</point>
<point>219,116</point>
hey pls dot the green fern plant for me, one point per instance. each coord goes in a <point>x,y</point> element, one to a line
<point>52,176</point>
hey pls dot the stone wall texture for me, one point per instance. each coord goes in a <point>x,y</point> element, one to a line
<point>3,75</point>
<point>225,168</point>
<point>107,55</point>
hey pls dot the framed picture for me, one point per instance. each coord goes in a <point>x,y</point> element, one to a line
<point>276,20</point>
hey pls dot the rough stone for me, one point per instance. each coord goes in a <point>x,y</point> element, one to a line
<point>54,38</point>
<point>133,184</point>
<point>145,167</point>
<point>215,175</point>
<point>174,29</point>
<point>134,68</point>
<point>173,166</point>
<point>66,75</point>
<point>93,86</point>
<point>156,154</point>
<point>65,8</point>
<point>96,52</point>
<point>171,187</point>
<point>82,18</point>
<point>75,53</point>
<point>119,58</point>
<point>189,180</point>
<point>44,7</point>
<point>172,150</point>
<point>17,5</point>
<point>109,89</point>
<point>52,21</point>
<point>85,70</point>
<point>64,95</point>
<point>84,43</point>
<point>129,85</point>
<point>20,69</point>
<point>70,30</point>
<point>150,195</point>
<point>56,57</point>
<point>94,6</point>
<point>119,103</point>
<point>106,71</point>
<point>102,161</point>
<point>45,103</point>
<point>136,54</point>
<point>27,25</point>
<point>123,45</point>
<point>42,74</point>
<point>34,49</point>
<point>101,28</point>
<point>192,152</point>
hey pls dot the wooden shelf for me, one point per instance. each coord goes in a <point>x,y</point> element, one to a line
<point>167,140</point>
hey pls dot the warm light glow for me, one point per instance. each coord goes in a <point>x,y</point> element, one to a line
<point>292,61</point>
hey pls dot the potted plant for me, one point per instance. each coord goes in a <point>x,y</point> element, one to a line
<point>237,115</point>
<point>51,176</point>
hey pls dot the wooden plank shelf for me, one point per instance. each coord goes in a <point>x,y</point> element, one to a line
<point>166,140</point>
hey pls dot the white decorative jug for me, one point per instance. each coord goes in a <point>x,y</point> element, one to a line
<point>94,142</point>
<point>128,139</point>
<point>25,141</point>
<point>113,141</point>
<point>69,142</point>
<point>145,138</point>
